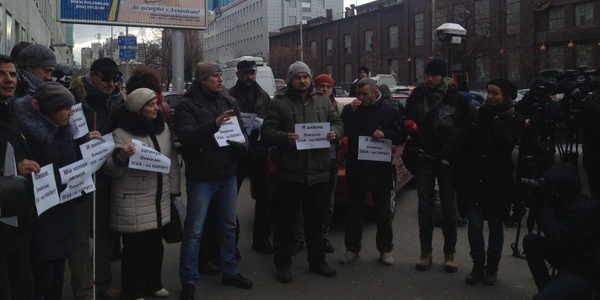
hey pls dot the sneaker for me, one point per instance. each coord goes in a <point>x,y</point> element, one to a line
<point>187,291</point>
<point>162,293</point>
<point>284,275</point>
<point>450,263</point>
<point>328,246</point>
<point>238,281</point>
<point>263,247</point>
<point>424,261</point>
<point>349,257</point>
<point>386,258</point>
<point>323,269</point>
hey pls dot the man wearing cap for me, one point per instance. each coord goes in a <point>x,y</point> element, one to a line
<point>99,94</point>
<point>442,117</point>
<point>210,172</point>
<point>363,72</point>
<point>36,64</point>
<point>252,99</point>
<point>302,175</point>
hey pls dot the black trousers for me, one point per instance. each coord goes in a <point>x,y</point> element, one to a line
<point>141,264</point>
<point>256,168</point>
<point>291,197</point>
<point>16,278</point>
<point>354,220</point>
<point>48,278</point>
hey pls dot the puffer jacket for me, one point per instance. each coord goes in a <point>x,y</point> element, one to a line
<point>287,109</point>
<point>140,198</point>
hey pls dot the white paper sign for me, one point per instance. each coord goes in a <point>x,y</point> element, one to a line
<point>78,177</point>
<point>371,149</point>
<point>229,130</point>
<point>76,187</point>
<point>78,119</point>
<point>98,151</point>
<point>147,159</point>
<point>312,136</point>
<point>44,189</point>
<point>249,123</point>
<point>258,124</point>
<point>10,169</point>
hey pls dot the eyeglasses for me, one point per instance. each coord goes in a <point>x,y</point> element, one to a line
<point>107,78</point>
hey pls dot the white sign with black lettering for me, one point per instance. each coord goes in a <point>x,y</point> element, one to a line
<point>229,130</point>
<point>375,150</point>
<point>44,189</point>
<point>98,151</point>
<point>78,178</point>
<point>249,123</point>
<point>78,119</point>
<point>147,159</point>
<point>312,136</point>
<point>258,124</point>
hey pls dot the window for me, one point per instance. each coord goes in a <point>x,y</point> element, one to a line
<point>482,18</point>
<point>329,45</point>
<point>292,20</point>
<point>348,72</point>
<point>584,14</point>
<point>583,55</point>
<point>556,18</point>
<point>513,13</point>
<point>368,40</point>
<point>482,67</point>
<point>313,48</point>
<point>347,43</point>
<point>419,69</point>
<point>393,36</point>
<point>513,62</point>
<point>419,30</point>
<point>10,42</point>
<point>329,70</point>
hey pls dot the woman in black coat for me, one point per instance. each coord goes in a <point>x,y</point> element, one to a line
<point>486,181</point>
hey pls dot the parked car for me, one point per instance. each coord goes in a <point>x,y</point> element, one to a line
<point>339,91</point>
<point>173,99</point>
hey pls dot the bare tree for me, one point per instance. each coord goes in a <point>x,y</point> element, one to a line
<point>281,58</point>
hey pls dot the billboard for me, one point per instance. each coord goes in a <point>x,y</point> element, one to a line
<point>138,13</point>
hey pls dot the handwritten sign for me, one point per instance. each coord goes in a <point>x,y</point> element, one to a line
<point>229,130</point>
<point>78,119</point>
<point>44,189</point>
<point>312,136</point>
<point>76,188</point>
<point>147,159</point>
<point>98,151</point>
<point>78,177</point>
<point>375,150</point>
<point>248,120</point>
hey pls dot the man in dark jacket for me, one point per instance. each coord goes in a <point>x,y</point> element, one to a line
<point>443,117</point>
<point>363,72</point>
<point>17,205</point>
<point>365,117</point>
<point>302,175</point>
<point>253,100</point>
<point>210,172</point>
<point>570,223</point>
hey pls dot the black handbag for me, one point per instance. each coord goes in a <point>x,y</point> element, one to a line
<point>13,195</point>
<point>173,231</point>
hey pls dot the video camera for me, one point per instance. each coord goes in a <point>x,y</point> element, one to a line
<point>563,81</point>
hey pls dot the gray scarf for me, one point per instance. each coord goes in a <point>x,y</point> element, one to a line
<point>434,96</point>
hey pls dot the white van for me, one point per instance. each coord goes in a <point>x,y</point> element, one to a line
<point>264,74</point>
<point>388,79</point>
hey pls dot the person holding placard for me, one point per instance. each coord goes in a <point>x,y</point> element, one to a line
<point>141,198</point>
<point>369,116</point>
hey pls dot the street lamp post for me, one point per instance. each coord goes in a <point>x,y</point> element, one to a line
<point>301,39</point>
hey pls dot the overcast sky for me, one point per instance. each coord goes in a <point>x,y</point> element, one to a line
<point>85,35</point>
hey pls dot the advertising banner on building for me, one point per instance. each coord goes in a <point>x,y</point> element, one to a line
<point>139,13</point>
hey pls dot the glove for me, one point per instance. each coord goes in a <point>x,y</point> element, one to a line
<point>485,114</point>
<point>237,147</point>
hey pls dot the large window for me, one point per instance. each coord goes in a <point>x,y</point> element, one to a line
<point>329,45</point>
<point>556,18</point>
<point>419,30</point>
<point>482,18</point>
<point>347,43</point>
<point>393,36</point>
<point>368,40</point>
<point>584,14</point>
<point>513,14</point>
<point>583,55</point>
<point>348,72</point>
<point>313,48</point>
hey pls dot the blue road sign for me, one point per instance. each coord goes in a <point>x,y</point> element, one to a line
<point>127,53</point>
<point>127,41</point>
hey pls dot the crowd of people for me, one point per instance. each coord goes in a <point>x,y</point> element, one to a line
<point>463,151</point>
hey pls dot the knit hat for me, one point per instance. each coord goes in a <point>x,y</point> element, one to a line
<point>509,89</point>
<point>52,97</point>
<point>205,69</point>
<point>296,68</point>
<point>105,66</point>
<point>37,55</point>
<point>138,99</point>
<point>324,78</point>
<point>363,68</point>
<point>436,66</point>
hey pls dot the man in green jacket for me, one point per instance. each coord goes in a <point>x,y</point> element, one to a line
<point>302,175</point>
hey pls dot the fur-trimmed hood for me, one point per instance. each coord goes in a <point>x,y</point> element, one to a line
<point>36,126</point>
<point>133,123</point>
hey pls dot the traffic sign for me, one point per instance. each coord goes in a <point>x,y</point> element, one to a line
<point>127,53</point>
<point>127,41</point>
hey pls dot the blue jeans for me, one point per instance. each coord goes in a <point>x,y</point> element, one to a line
<point>476,217</point>
<point>200,196</point>
<point>427,172</point>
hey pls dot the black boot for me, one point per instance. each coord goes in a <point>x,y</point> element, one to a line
<point>478,268</point>
<point>491,270</point>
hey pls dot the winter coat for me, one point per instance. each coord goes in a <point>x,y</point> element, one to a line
<point>443,131</point>
<point>366,175</point>
<point>485,175</point>
<point>258,106</point>
<point>14,238</point>
<point>195,126</point>
<point>140,198</point>
<point>54,230</point>
<point>97,106</point>
<point>287,109</point>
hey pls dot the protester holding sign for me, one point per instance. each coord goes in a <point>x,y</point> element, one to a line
<point>45,123</point>
<point>140,198</point>
<point>369,117</point>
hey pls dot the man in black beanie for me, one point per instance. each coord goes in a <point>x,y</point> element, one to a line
<point>36,64</point>
<point>442,116</point>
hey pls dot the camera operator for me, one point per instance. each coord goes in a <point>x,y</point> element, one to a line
<point>570,223</point>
